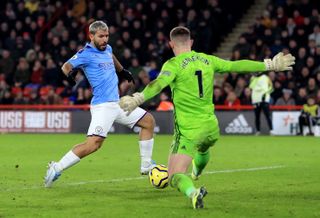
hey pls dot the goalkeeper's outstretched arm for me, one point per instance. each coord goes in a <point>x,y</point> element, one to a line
<point>280,62</point>
<point>154,88</point>
<point>128,103</point>
<point>247,66</point>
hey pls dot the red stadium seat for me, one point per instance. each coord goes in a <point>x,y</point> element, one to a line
<point>45,90</point>
<point>66,101</point>
<point>59,90</point>
<point>27,91</point>
<point>15,90</point>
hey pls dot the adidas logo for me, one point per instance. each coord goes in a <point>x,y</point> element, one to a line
<point>239,125</point>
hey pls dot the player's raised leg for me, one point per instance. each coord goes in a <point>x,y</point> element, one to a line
<point>199,162</point>
<point>201,158</point>
<point>202,155</point>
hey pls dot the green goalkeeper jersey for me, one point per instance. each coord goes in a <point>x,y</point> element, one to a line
<point>191,77</point>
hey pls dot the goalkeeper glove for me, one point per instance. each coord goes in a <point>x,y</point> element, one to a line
<point>129,103</point>
<point>126,74</point>
<point>280,62</point>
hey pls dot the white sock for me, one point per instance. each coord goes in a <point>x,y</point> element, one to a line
<point>68,160</point>
<point>146,148</point>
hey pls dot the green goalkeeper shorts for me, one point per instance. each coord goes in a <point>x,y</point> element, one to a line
<point>190,141</point>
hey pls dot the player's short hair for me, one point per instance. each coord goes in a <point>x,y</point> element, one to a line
<point>97,25</point>
<point>180,32</point>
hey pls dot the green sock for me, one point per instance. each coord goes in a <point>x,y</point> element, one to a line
<point>183,183</point>
<point>201,160</point>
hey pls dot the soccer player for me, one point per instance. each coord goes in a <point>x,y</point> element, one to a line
<point>99,65</point>
<point>190,75</point>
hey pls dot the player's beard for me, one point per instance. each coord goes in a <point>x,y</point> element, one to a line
<point>99,47</point>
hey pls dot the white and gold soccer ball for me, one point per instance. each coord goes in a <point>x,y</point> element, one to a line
<point>159,176</point>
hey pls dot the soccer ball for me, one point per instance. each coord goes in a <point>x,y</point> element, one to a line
<point>159,177</point>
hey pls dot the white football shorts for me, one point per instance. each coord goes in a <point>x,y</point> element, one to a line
<point>105,114</point>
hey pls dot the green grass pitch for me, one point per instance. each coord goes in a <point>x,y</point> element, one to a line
<point>247,176</point>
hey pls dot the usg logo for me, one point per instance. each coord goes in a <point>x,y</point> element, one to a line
<point>239,125</point>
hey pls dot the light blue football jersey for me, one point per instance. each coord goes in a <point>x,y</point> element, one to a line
<point>100,71</point>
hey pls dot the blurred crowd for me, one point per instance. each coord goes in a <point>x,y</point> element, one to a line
<point>37,37</point>
<point>284,26</point>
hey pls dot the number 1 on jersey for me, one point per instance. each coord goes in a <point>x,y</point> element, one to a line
<point>198,73</point>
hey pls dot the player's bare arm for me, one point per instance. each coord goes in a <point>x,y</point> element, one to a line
<point>117,64</point>
<point>121,71</point>
<point>66,68</point>
<point>70,73</point>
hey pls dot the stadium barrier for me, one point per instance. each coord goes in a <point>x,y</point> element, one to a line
<point>76,118</point>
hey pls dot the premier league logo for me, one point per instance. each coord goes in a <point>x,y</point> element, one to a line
<point>98,130</point>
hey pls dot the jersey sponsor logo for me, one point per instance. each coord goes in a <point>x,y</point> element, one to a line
<point>106,65</point>
<point>239,125</point>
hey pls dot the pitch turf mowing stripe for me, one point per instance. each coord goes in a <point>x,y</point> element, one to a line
<point>144,177</point>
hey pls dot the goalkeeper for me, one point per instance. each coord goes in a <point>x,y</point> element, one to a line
<point>190,75</point>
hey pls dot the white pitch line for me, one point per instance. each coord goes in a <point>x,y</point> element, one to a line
<point>144,177</point>
<point>208,172</point>
<point>106,181</point>
<point>245,169</point>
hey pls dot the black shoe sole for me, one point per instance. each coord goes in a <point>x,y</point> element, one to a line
<point>203,193</point>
